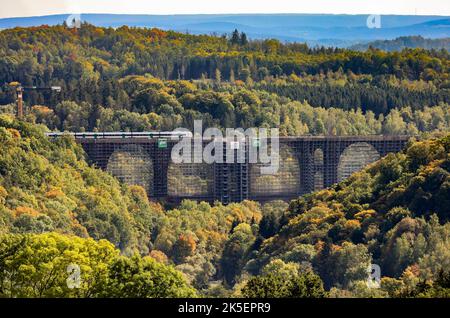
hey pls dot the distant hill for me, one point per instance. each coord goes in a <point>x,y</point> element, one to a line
<point>315,29</point>
<point>406,42</point>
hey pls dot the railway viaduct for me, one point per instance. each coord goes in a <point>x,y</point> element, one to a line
<point>306,164</point>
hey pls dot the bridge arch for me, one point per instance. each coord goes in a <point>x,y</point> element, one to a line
<point>190,179</point>
<point>132,165</point>
<point>285,182</point>
<point>354,158</point>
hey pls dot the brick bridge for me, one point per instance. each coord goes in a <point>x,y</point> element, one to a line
<point>306,164</point>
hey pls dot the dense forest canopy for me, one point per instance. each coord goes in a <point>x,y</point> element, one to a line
<point>403,42</point>
<point>56,210</point>
<point>153,104</point>
<point>137,79</point>
<point>394,213</point>
<point>35,265</point>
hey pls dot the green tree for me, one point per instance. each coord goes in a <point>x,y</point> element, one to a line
<point>235,251</point>
<point>243,39</point>
<point>138,277</point>
<point>307,285</point>
<point>41,265</point>
<point>218,76</point>
<point>36,265</point>
<point>235,37</point>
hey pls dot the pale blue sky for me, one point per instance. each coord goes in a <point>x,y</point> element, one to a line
<point>17,8</point>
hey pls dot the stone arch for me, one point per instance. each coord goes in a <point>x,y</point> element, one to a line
<point>285,182</point>
<point>318,157</point>
<point>132,165</point>
<point>354,158</point>
<point>190,179</point>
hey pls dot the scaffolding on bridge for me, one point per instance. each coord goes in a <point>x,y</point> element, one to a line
<point>307,164</point>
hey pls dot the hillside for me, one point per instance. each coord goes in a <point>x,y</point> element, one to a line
<point>137,79</point>
<point>404,42</point>
<point>48,195</point>
<point>315,29</point>
<point>165,105</point>
<point>394,213</point>
<point>48,186</point>
<point>56,210</point>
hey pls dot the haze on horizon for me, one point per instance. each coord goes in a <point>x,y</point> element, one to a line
<point>24,8</point>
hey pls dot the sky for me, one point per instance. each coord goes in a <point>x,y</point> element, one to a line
<point>22,8</point>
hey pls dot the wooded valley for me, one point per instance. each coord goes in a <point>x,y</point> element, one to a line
<point>56,209</point>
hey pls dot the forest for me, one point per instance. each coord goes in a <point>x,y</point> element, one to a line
<point>394,213</point>
<point>57,210</point>
<point>139,79</point>
<point>402,42</point>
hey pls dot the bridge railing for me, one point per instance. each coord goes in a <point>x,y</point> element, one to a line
<point>118,135</point>
<point>181,134</point>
